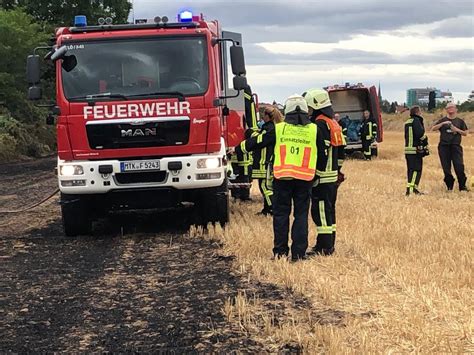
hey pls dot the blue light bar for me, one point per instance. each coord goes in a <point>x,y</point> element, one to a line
<point>80,21</point>
<point>185,16</point>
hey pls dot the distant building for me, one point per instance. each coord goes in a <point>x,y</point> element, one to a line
<point>420,96</point>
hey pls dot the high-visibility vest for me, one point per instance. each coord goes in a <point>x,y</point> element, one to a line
<point>295,151</point>
<point>337,138</point>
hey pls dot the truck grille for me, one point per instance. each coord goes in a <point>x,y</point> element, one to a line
<point>150,134</point>
<point>140,178</point>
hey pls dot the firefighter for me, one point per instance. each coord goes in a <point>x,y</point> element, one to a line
<point>368,134</point>
<point>416,147</point>
<point>324,192</point>
<point>242,162</point>
<point>452,128</point>
<point>296,146</point>
<point>263,157</point>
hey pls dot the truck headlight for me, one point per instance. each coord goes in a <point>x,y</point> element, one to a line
<point>209,163</point>
<point>71,170</point>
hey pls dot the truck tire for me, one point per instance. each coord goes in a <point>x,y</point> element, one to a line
<point>75,215</point>
<point>213,205</point>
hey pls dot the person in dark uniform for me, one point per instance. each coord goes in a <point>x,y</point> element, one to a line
<point>416,147</point>
<point>368,134</point>
<point>262,157</point>
<point>450,151</point>
<point>296,145</point>
<point>324,192</point>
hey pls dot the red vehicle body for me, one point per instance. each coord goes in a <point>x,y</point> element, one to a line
<point>350,101</point>
<point>144,120</point>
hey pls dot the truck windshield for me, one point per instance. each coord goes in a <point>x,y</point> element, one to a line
<point>137,67</point>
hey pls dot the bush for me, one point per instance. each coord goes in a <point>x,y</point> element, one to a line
<point>467,106</point>
<point>20,139</point>
<point>8,149</point>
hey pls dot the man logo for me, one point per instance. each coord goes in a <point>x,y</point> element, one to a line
<point>138,132</point>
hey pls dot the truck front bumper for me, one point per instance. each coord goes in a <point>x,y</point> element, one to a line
<point>93,180</point>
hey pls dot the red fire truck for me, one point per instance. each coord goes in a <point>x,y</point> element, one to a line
<point>144,115</point>
<point>350,101</point>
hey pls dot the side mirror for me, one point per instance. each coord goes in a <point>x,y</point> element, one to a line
<point>33,69</point>
<point>240,82</point>
<point>35,93</point>
<point>237,60</point>
<point>59,53</point>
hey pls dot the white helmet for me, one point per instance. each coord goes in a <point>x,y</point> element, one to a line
<point>317,98</point>
<point>296,103</point>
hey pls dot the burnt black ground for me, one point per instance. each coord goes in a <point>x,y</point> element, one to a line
<point>140,283</point>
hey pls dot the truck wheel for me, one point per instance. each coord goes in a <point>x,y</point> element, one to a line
<point>213,205</point>
<point>75,215</point>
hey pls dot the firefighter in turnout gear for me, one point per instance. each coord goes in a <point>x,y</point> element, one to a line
<point>416,147</point>
<point>263,155</point>
<point>324,192</point>
<point>242,161</point>
<point>368,134</point>
<point>296,146</point>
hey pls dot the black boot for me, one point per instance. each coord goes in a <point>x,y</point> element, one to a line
<point>449,181</point>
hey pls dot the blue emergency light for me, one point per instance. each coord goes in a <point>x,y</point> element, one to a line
<point>185,16</point>
<point>80,21</point>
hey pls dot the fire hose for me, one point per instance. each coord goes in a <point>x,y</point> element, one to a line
<point>32,206</point>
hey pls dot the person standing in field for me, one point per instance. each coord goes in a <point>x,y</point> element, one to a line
<point>450,151</point>
<point>368,134</point>
<point>263,155</point>
<point>416,147</point>
<point>296,143</point>
<point>324,192</point>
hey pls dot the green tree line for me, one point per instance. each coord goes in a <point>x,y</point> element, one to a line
<point>24,25</point>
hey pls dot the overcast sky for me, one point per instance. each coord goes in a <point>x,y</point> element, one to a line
<point>294,45</point>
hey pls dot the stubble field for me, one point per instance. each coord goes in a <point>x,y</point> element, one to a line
<point>401,278</point>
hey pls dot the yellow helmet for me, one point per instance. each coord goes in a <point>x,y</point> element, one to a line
<point>317,98</point>
<point>295,103</point>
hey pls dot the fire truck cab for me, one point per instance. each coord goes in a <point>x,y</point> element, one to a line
<point>350,101</point>
<point>144,115</point>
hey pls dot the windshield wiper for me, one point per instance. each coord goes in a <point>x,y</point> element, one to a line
<point>177,94</point>
<point>108,95</point>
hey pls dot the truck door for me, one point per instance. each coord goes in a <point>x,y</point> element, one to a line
<point>376,112</point>
<point>234,123</point>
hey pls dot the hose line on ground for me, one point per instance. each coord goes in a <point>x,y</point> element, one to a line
<point>32,206</point>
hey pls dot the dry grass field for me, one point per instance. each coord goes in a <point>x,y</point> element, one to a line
<point>401,279</point>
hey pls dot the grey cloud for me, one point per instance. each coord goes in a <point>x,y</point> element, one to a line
<point>462,26</point>
<point>324,22</point>
<point>256,55</point>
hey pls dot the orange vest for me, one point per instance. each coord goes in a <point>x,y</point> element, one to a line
<point>337,138</point>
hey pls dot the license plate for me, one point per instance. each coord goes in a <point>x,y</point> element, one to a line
<point>139,165</point>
